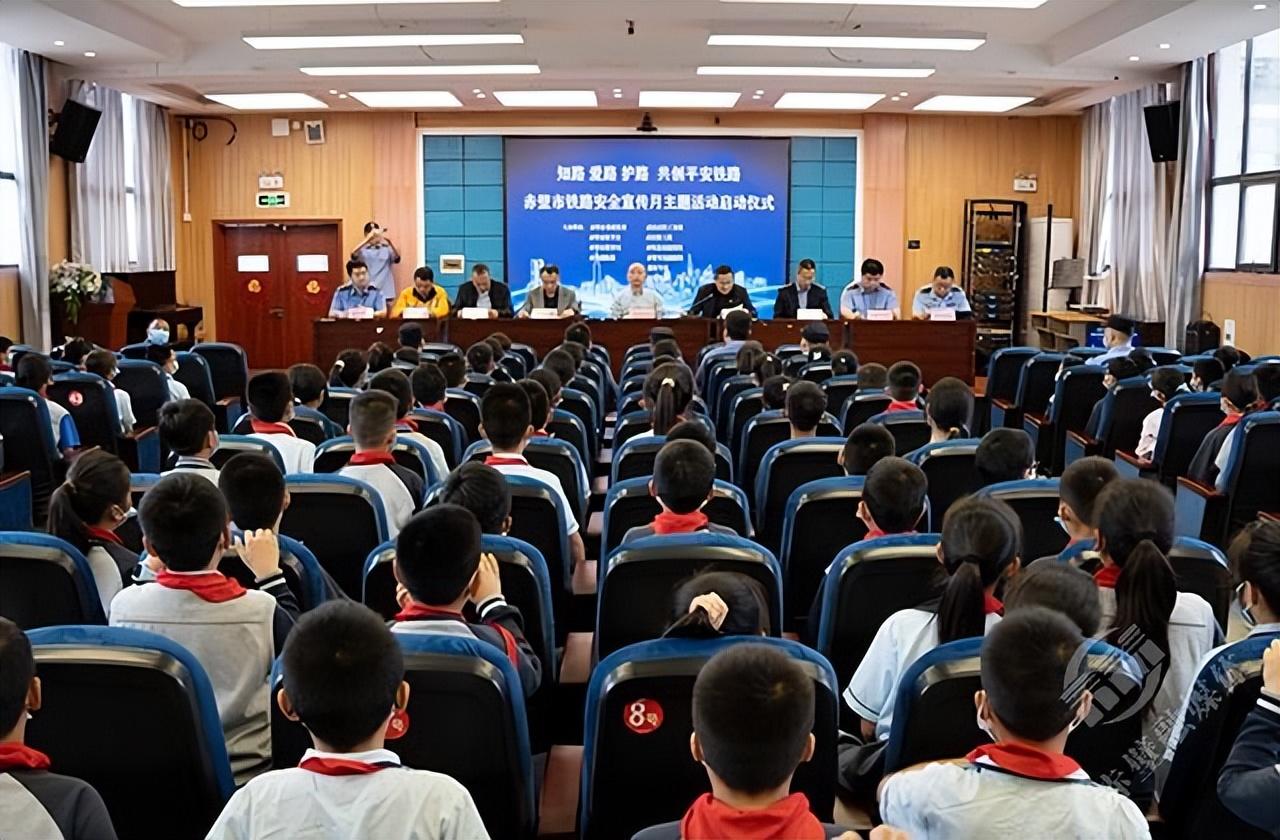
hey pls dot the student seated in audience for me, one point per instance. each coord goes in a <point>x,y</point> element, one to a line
<point>806,403</point>
<point>36,374</point>
<point>1057,586</point>
<point>666,350</point>
<point>694,431</point>
<point>428,386</point>
<point>872,377</point>
<point>743,693</point>
<point>773,392</point>
<point>454,368</point>
<point>1023,784</point>
<point>188,430</point>
<point>408,356</point>
<point>539,406</point>
<point>1267,380</point>
<point>551,384</point>
<point>668,390</point>
<point>979,551</point>
<point>904,387</point>
<point>866,445</point>
<point>1229,357</point>
<point>737,330</point>
<point>711,605</point>
<point>948,409</point>
<point>562,364</point>
<point>1166,383</point>
<point>34,802</point>
<point>815,341</point>
<point>5,344</point>
<point>86,509</point>
<point>309,392</point>
<point>1078,491</point>
<point>103,363</point>
<point>344,681</point>
<point>844,363</point>
<point>348,369</point>
<point>1142,357</point>
<point>167,359</point>
<point>380,357</point>
<point>395,383</point>
<point>748,357</point>
<point>576,333</point>
<point>498,372</point>
<point>1005,455</point>
<point>234,633</point>
<point>505,421</point>
<point>440,569</point>
<point>1249,784</point>
<point>1138,591</point>
<point>1119,368</point>
<point>409,336</point>
<point>373,428</point>
<point>270,409</point>
<point>75,351</point>
<point>684,474</point>
<point>480,362</point>
<point>1206,375</point>
<point>893,498</point>
<point>482,490</point>
<point>158,331</point>
<point>1239,398</point>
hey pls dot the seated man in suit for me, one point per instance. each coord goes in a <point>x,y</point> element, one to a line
<point>804,293</point>
<point>483,292</point>
<point>550,295</point>
<point>713,298</point>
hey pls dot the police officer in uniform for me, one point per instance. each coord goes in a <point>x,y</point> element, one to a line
<point>941,293</point>
<point>356,293</point>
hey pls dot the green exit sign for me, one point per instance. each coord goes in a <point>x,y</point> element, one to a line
<point>273,199</point>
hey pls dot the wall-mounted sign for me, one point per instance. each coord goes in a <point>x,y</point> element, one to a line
<point>273,199</point>
<point>1024,184</point>
<point>452,263</point>
<point>271,182</point>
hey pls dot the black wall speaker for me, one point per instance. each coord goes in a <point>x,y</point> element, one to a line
<point>1162,130</point>
<point>74,132</point>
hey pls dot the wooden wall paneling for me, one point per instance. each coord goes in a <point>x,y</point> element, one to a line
<point>1253,301</point>
<point>10,304</point>
<point>884,197</point>
<point>395,188</point>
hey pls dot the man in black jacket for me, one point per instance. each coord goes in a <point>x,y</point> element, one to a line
<point>484,292</point>
<point>802,294</point>
<point>713,298</point>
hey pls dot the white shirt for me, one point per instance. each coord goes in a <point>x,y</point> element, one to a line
<point>124,408</point>
<point>951,801</point>
<point>296,452</point>
<point>392,804</point>
<point>1150,431</point>
<point>56,413</point>
<point>438,463</point>
<point>106,576</point>
<point>1224,457</point>
<point>904,637</point>
<point>177,391</point>
<point>548,478</point>
<point>396,500</point>
<point>196,466</point>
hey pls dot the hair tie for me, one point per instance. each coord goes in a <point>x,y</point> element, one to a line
<point>785,386</point>
<point>339,365</point>
<point>668,383</point>
<point>69,487</point>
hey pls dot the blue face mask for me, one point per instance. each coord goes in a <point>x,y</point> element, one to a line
<point>158,336</point>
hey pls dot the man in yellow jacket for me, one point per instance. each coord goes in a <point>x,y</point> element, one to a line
<point>423,294</point>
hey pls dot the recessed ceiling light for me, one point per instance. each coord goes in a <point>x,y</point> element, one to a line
<point>426,70</point>
<point>617,90</point>
<point>206,4</point>
<point>847,72</point>
<point>760,93</point>
<point>1134,58</point>
<point>827,101</point>
<point>333,92</point>
<point>1165,46</point>
<point>342,96</point>
<point>977,104</point>
<point>90,54</point>
<point>850,42</point>
<point>688,99</point>
<point>546,98</point>
<point>1258,7</point>
<point>617,96</point>
<point>955,4</point>
<point>59,43</point>
<point>894,98</point>
<point>480,96</point>
<point>903,93</point>
<point>755,96</point>
<point>266,101</point>
<point>331,42</point>
<point>407,98</point>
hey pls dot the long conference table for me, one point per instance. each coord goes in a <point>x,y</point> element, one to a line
<point>940,348</point>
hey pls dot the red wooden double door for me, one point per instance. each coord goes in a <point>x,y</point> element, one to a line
<point>273,280</point>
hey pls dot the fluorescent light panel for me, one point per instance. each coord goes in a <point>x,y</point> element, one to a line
<point>214,4</point>
<point>426,70</point>
<point>976,104</point>
<point>266,101</point>
<point>849,42</point>
<point>845,72</point>
<point>827,101</point>
<point>688,99</point>
<point>546,98</point>
<point>407,98</point>
<point>334,42</point>
<point>945,4</point>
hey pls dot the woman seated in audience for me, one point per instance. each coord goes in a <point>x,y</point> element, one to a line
<point>1138,591</point>
<point>380,357</point>
<point>668,390</point>
<point>767,367</point>
<point>86,510</point>
<point>749,356</point>
<point>948,409</point>
<point>1239,399</point>
<point>774,392</point>
<point>715,604</point>
<point>348,370</point>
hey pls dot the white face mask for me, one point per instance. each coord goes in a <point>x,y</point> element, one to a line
<point>158,336</point>
<point>985,727</point>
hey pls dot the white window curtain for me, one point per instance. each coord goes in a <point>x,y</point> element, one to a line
<point>154,188</point>
<point>99,233</point>
<point>1184,249</point>
<point>1095,187</point>
<point>25,74</point>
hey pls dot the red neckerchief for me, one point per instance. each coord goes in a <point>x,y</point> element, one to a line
<point>542,433</point>
<point>436,406</point>
<point>102,534</point>
<point>407,424</point>
<point>1107,576</point>
<point>261,427</point>
<point>343,766</point>
<point>421,612</point>
<point>991,605</point>
<point>505,461</point>
<point>1026,761</point>
<point>1230,420</point>
<point>361,459</point>
<point>902,405</point>
<point>876,533</point>
<point>787,819</point>
<point>668,522</point>
<point>16,756</point>
<point>214,587</point>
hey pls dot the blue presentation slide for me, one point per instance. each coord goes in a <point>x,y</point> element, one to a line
<point>680,207</point>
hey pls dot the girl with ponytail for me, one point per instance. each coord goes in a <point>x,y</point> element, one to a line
<point>980,548</point>
<point>948,409</point>
<point>668,389</point>
<point>348,369</point>
<point>1138,591</point>
<point>715,604</point>
<point>86,510</point>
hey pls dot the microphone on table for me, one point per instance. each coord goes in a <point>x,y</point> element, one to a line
<point>698,302</point>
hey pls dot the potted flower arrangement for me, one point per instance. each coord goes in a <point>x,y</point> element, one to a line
<point>73,283</point>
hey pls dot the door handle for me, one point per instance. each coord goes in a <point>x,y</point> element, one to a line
<point>276,312</point>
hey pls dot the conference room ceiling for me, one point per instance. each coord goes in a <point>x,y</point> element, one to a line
<point>1064,55</point>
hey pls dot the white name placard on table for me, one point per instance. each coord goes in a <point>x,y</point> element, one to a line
<point>415,312</point>
<point>543,313</point>
<point>879,315</point>
<point>810,315</point>
<point>642,312</point>
<point>359,313</point>
<point>473,313</point>
<point>942,314</point>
